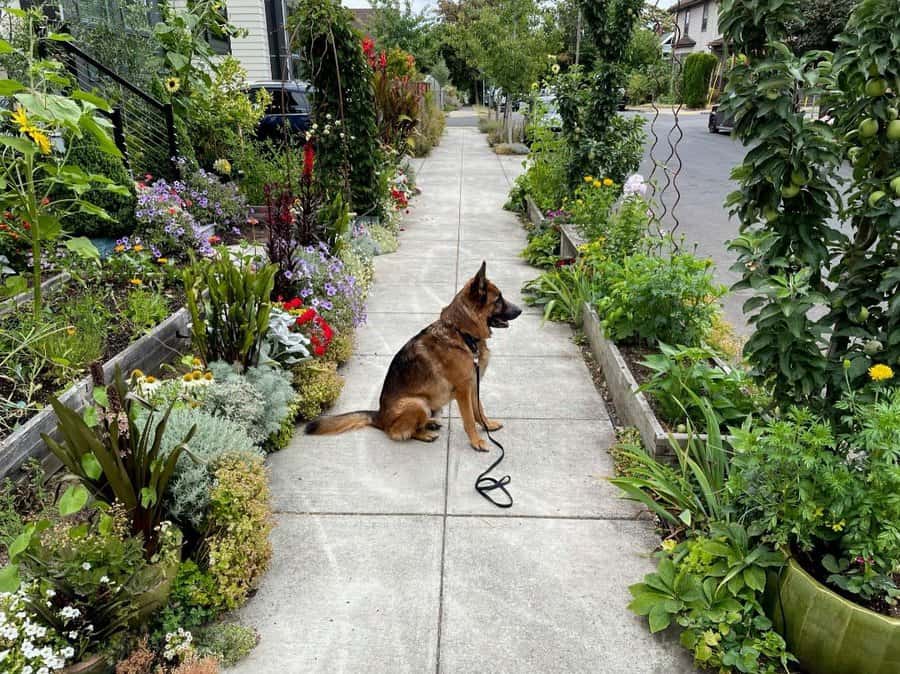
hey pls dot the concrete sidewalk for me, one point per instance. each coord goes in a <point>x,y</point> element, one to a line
<point>386,559</point>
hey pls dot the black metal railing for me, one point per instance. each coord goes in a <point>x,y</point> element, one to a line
<point>143,126</point>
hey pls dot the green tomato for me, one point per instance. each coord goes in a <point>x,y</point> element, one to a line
<point>854,154</point>
<point>868,127</point>
<point>790,191</point>
<point>895,185</point>
<point>875,197</point>
<point>893,130</point>
<point>892,113</point>
<point>798,178</point>
<point>863,315</point>
<point>876,87</point>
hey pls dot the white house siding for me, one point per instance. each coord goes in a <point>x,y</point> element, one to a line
<point>253,50</point>
<point>695,31</point>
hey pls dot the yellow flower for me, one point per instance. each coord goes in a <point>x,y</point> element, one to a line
<point>21,120</point>
<point>40,139</point>
<point>196,375</point>
<point>71,330</point>
<point>222,166</point>
<point>597,183</point>
<point>555,68</point>
<point>838,526</point>
<point>172,84</point>
<point>137,373</point>
<point>880,372</point>
<point>188,377</point>
<point>150,379</point>
<point>819,512</point>
<point>162,260</point>
<point>589,179</point>
<point>138,248</point>
<point>136,282</point>
<point>196,362</point>
<point>208,376</point>
<point>119,248</point>
<point>668,545</point>
<point>607,182</point>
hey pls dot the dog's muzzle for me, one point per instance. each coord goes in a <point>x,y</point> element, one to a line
<point>501,320</point>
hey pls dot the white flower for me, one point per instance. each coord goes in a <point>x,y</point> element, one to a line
<point>634,185</point>
<point>86,566</point>
<point>50,593</point>
<point>68,652</point>
<point>104,579</point>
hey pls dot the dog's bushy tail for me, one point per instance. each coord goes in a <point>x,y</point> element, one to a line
<point>341,423</point>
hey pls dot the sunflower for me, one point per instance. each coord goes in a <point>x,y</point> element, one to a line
<point>40,139</point>
<point>172,84</point>
<point>880,372</point>
<point>21,120</point>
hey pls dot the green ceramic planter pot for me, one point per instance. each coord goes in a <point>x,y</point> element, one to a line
<point>828,633</point>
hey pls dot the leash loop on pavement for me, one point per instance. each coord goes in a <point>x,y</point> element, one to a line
<point>484,483</point>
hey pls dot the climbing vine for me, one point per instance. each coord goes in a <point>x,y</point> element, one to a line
<point>344,104</point>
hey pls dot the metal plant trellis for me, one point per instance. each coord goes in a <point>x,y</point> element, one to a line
<point>661,205</point>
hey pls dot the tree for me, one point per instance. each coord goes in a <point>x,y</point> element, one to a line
<point>820,23</point>
<point>395,24</point>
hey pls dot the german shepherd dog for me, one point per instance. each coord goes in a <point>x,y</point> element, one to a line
<point>434,367</point>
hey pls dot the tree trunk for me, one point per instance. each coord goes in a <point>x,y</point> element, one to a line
<point>507,119</point>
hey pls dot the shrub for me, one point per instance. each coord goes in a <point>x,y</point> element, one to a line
<point>543,247</point>
<point>229,299</point>
<point>188,496</point>
<point>229,643</point>
<point>190,601</point>
<point>85,153</point>
<point>318,385</point>
<point>683,377</point>
<point>647,298</point>
<point>239,524</point>
<point>340,349</point>
<point>698,69</point>
<point>591,208</point>
<point>639,88</point>
<point>430,128</point>
<point>545,179</point>
<point>285,434</point>
<point>258,164</point>
<point>258,399</point>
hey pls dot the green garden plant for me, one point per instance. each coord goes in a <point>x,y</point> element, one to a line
<point>562,292</point>
<point>647,298</point>
<point>543,247</point>
<point>117,458</point>
<point>683,375</point>
<point>145,309</point>
<point>696,73</point>
<point>688,495</point>
<point>229,299</point>
<point>712,587</point>
<point>33,168</point>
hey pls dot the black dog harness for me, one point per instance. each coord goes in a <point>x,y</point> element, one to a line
<point>484,483</point>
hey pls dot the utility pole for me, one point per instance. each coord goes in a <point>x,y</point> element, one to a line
<point>578,37</point>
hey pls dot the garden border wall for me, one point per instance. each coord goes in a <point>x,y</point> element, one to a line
<point>147,353</point>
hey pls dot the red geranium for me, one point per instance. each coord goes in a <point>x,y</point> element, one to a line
<point>321,333</point>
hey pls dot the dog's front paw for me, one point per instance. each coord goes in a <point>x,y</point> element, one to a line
<point>478,444</point>
<point>492,424</point>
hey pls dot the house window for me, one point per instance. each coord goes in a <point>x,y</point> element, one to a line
<point>705,17</point>
<point>687,22</point>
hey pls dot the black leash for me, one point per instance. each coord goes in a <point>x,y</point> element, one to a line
<point>484,483</point>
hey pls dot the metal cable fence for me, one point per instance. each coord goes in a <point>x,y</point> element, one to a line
<point>144,127</point>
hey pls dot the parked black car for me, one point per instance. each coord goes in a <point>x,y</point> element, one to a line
<point>719,121</point>
<point>291,107</point>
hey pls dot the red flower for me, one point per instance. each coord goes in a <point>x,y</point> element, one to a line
<point>368,46</point>
<point>292,305</point>
<point>565,262</point>
<point>45,201</point>
<point>213,240</point>
<point>309,157</point>
<point>306,316</point>
<point>382,60</point>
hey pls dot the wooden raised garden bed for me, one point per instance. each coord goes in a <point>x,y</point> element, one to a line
<point>632,406</point>
<point>16,301</point>
<point>149,352</point>
<point>569,240</point>
<point>534,213</point>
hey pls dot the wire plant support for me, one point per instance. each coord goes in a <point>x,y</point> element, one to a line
<point>661,210</point>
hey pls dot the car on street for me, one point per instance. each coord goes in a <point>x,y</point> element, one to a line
<point>719,121</point>
<point>290,110</point>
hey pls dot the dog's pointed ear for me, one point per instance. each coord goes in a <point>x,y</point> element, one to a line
<point>479,283</point>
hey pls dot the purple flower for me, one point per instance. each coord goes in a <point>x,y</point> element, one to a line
<point>288,274</point>
<point>306,292</point>
<point>330,290</point>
